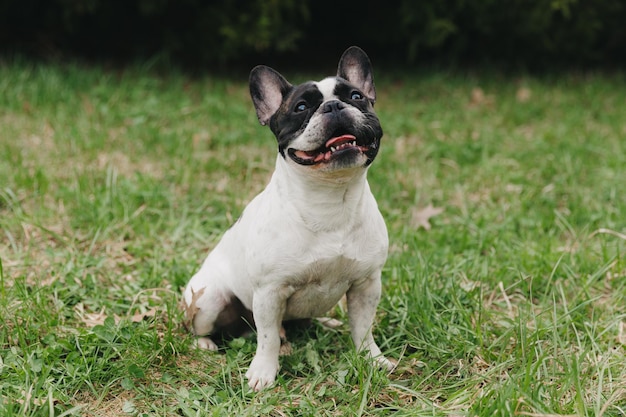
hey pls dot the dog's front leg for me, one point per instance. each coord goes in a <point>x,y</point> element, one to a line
<point>362,302</point>
<point>268,308</point>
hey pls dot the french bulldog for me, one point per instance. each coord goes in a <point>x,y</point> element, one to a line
<point>314,233</point>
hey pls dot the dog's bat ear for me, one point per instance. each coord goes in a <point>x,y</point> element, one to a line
<point>267,89</point>
<point>355,67</point>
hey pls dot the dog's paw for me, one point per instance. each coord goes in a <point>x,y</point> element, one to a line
<point>330,323</point>
<point>205,343</point>
<point>285,349</point>
<point>262,373</point>
<point>385,363</point>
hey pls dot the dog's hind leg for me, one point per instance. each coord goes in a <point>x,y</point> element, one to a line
<point>205,309</point>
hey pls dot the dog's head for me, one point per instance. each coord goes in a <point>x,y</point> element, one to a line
<point>327,125</point>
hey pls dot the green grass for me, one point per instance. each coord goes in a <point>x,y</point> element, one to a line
<point>115,184</point>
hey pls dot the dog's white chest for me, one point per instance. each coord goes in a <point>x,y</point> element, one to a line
<point>312,269</point>
<point>318,285</point>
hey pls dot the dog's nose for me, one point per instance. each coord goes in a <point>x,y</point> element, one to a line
<point>332,106</point>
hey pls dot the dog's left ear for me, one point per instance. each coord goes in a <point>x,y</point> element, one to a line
<point>355,66</point>
<point>267,89</point>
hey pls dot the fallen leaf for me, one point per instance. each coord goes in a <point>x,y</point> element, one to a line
<point>523,94</point>
<point>420,217</point>
<point>27,399</point>
<point>192,308</point>
<point>93,319</point>
<point>139,317</point>
<point>479,98</point>
<point>90,319</point>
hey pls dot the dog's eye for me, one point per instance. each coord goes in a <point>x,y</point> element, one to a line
<point>300,107</point>
<point>356,95</point>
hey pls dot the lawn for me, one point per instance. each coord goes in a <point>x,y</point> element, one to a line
<point>504,291</point>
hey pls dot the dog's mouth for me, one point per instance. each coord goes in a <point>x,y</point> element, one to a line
<point>333,148</point>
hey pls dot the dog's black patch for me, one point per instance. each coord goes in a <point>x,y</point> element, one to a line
<point>300,103</point>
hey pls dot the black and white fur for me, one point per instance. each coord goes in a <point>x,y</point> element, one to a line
<point>315,233</point>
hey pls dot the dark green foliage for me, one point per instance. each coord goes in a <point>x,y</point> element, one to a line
<point>529,33</point>
<point>195,31</point>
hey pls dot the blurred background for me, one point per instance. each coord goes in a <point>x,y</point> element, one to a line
<point>518,34</point>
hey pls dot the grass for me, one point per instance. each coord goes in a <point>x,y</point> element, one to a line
<point>115,184</point>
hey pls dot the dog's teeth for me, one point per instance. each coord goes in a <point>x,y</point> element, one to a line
<point>343,146</point>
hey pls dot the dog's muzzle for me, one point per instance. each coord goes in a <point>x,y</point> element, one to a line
<point>334,148</point>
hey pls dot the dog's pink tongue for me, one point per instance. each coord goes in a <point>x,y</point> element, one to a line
<point>340,139</point>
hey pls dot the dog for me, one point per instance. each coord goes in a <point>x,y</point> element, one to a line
<point>315,233</point>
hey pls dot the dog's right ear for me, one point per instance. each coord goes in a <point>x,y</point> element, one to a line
<point>267,89</point>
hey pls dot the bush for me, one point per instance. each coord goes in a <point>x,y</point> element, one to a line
<point>195,31</point>
<point>521,32</point>
<point>518,32</point>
